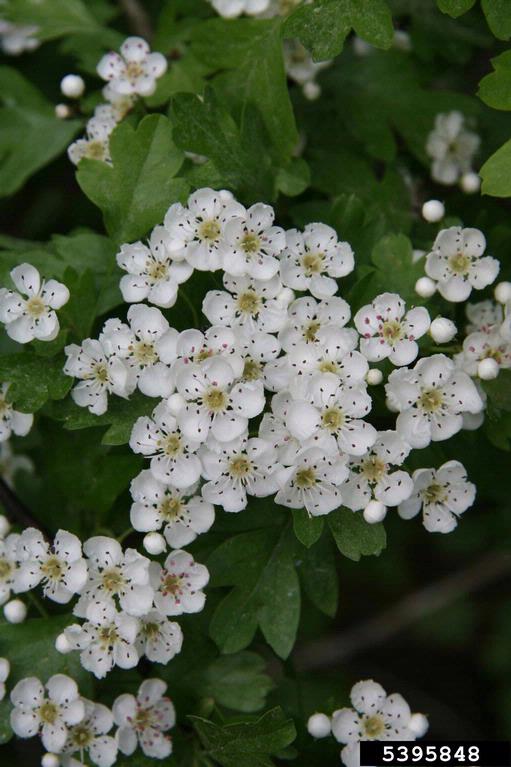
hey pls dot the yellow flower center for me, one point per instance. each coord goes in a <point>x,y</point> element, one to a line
<point>374,726</point>
<point>144,718</point>
<point>157,270</point>
<point>434,493</point>
<point>170,584</point>
<point>170,508</point>
<point>431,400</point>
<point>53,568</point>
<point>328,366</point>
<point>81,736</point>
<point>5,569</point>
<point>215,400</point>
<point>305,478</point>
<point>332,418</point>
<point>313,263</point>
<point>112,580</point>
<point>209,230</point>
<point>35,307</point>
<point>134,69</point>
<point>95,150</point>
<point>151,630</point>
<point>460,263</point>
<point>107,637</point>
<point>373,468</point>
<point>392,331</point>
<point>252,370</point>
<point>144,353</point>
<point>240,467</point>
<point>4,406</point>
<point>171,445</point>
<point>100,372</point>
<point>249,302</point>
<point>48,712</point>
<point>250,243</point>
<point>310,330</point>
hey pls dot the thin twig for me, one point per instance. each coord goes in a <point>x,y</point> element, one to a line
<point>338,648</point>
<point>138,18</point>
<point>16,509</point>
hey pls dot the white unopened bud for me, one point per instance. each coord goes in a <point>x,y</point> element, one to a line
<point>488,369</point>
<point>374,377</point>
<point>62,111</point>
<point>442,330</point>
<point>418,724</point>
<point>5,669</point>
<point>503,292</point>
<point>285,296</point>
<point>5,526</point>
<point>154,543</point>
<point>62,644</point>
<point>319,725</point>
<point>374,512</point>
<point>72,86</point>
<point>470,183</point>
<point>15,611</point>
<point>425,287</point>
<point>433,211</point>
<point>417,255</point>
<point>311,90</point>
<point>50,760</point>
<point>175,403</point>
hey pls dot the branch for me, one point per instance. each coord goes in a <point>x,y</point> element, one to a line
<point>340,647</point>
<point>16,509</point>
<point>138,18</point>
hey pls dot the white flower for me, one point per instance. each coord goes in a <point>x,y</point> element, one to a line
<point>215,402</point>
<point>12,421</point>
<point>178,584</point>
<point>32,315</point>
<point>193,346</point>
<point>323,410</point>
<point>182,514</point>
<point>451,147</point>
<point>145,719</point>
<point>172,452</point>
<point>457,263</point>
<point>60,568</point>
<point>483,315</point>
<point>101,374</point>
<point>374,716</point>
<point>155,270</point>
<point>135,71</point>
<point>252,305</point>
<point>273,429</point>
<point>105,641</point>
<point>374,476</point>
<point>18,38</point>
<point>236,470</point>
<point>252,245</point>
<point>5,670</point>
<point>8,565</point>
<point>11,463</point>
<point>307,317</point>
<point>387,331</point>
<point>197,231</point>
<point>483,345</point>
<point>96,144</point>
<point>158,638</point>
<point>312,482</point>
<point>314,259</point>
<point>114,573</point>
<point>49,711</point>
<point>442,494</point>
<point>231,9</point>
<point>431,399</point>
<point>148,345</point>
<point>118,106</point>
<point>90,735</point>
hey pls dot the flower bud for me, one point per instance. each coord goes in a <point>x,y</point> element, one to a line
<point>503,292</point>
<point>72,86</point>
<point>311,90</point>
<point>374,377</point>
<point>433,211</point>
<point>154,543</point>
<point>442,330</point>
<point>15,611</point>
<point>374,512</point>
<point>50,760</point>
<point>319,725</point>
<point>5,526</point>
<point>285,296</point>
<point>175,403</point>
<point>5,669</point>
<point>470,183</point>
<point>62,111</point>
<point>418,724</point>
<point>425,287</point>
<point>62,644</point>
<point>488,369</point>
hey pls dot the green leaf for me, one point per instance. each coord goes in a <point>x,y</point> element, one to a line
<point>393,255</point>
<point>324,25</point>
<point>251,52</point>
<point>136,192</point>
<point>354,536</point>
<point>53,18</point>
<point>6,732</point>
<point>307,529</point>
<point>266,590</point>
<point>496,173</point>
<point>318,575</point>
<point>499,390</point>
<point>30,134</point>
<point>495,89</point>
<point>237,682</point>
<point>80,311</point>
<point>34,380</point>
<point>30,647</point>
<point>455,8</point>
<point>250,744</point>
<point>498,16</point>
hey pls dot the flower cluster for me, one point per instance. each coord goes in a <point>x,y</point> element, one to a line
<point>374,716</point>
<point>130,74</point>
<point>71,726</point>
<point>487,347</point>
<point>451,147</point>
<point>294,363</point>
